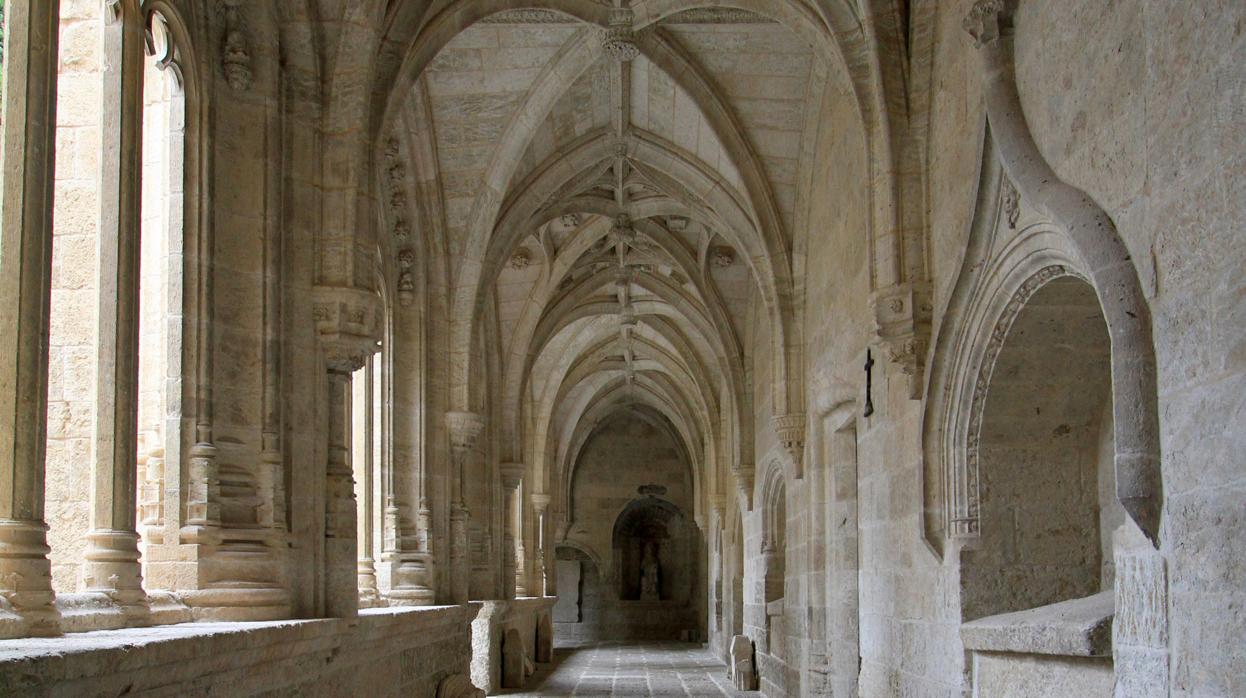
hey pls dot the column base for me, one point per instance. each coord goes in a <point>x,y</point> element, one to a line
<point>237,603</point>
<point>112,568</point>
<point>365,579</point>
<point>26,579</point>
<point>409,580</point>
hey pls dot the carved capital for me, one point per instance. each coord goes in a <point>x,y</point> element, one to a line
<point>540,502</point>
<point>465,429</point>
<point>718,504</point>
<point>983,22</point>
<point>348,322</point>
<point>902,314</point>
<point>790,429</point>
<point>512,474</point>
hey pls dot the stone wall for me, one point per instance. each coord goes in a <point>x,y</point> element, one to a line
<point>385,652</point>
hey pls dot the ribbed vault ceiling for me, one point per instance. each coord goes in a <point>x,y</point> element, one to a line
<point>626,216</point>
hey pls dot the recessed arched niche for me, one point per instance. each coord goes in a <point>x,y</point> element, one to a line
<point>653,554</point>
<point>1044,451</point>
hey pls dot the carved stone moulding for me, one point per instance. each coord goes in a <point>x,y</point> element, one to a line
<point>902,315</point>
<point>790,429</point>
<point>964,503</point>
<point>348,322</point>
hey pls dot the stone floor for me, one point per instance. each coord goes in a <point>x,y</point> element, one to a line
<point>636,669</point>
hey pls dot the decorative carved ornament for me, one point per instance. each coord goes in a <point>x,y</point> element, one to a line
<point>722,256</point>
<point>348,322</point>
<point>902,314</point>
<point>236,48</point>
<point>1012,203</point>
<point>520,260</point>
<point>396,185</point>
<point>618,40</point>
<point>964,500</point>
<point>790,429</point>
<point>982,22</point>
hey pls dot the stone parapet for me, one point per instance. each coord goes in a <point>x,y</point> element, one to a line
<point>382,652</point>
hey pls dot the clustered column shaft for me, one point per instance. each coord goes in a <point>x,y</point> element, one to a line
<point>112,556</point>
<point>25,283</point>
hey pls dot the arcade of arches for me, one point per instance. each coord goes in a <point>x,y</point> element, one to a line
<point>669,347</point>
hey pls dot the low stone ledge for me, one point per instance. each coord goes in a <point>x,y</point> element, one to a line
<point>390,650</point>
<point>1077,628</point>
<point>496,616</point>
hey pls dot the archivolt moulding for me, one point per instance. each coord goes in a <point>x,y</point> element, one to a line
<point>1002,269</point>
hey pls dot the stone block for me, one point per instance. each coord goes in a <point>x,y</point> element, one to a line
<point>743,666</point>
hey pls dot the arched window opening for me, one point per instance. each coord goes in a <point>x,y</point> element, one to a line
<point>1045,458</point>
<point>160,292</point>
<point>365,451</point>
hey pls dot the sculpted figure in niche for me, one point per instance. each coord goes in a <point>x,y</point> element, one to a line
<point>649,570</point>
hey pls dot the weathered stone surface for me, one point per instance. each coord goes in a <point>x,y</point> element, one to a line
<point>1076,628</point>
<point>903,344</point>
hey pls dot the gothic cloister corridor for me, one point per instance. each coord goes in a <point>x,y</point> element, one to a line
<point>452,348</point>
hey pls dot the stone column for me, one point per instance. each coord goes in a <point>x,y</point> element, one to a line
<point>29,147</point>
<point>540,578</point>
<point>347,321</point>
<point>717,524</point>
<point>465,429</point>
<point>512,478</point>
<point>362,463</point>
<point>341,585</point>
<point>407,548</point>
<point>112,556</point>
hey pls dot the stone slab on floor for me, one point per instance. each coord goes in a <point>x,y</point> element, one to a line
<point>631,669</point>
